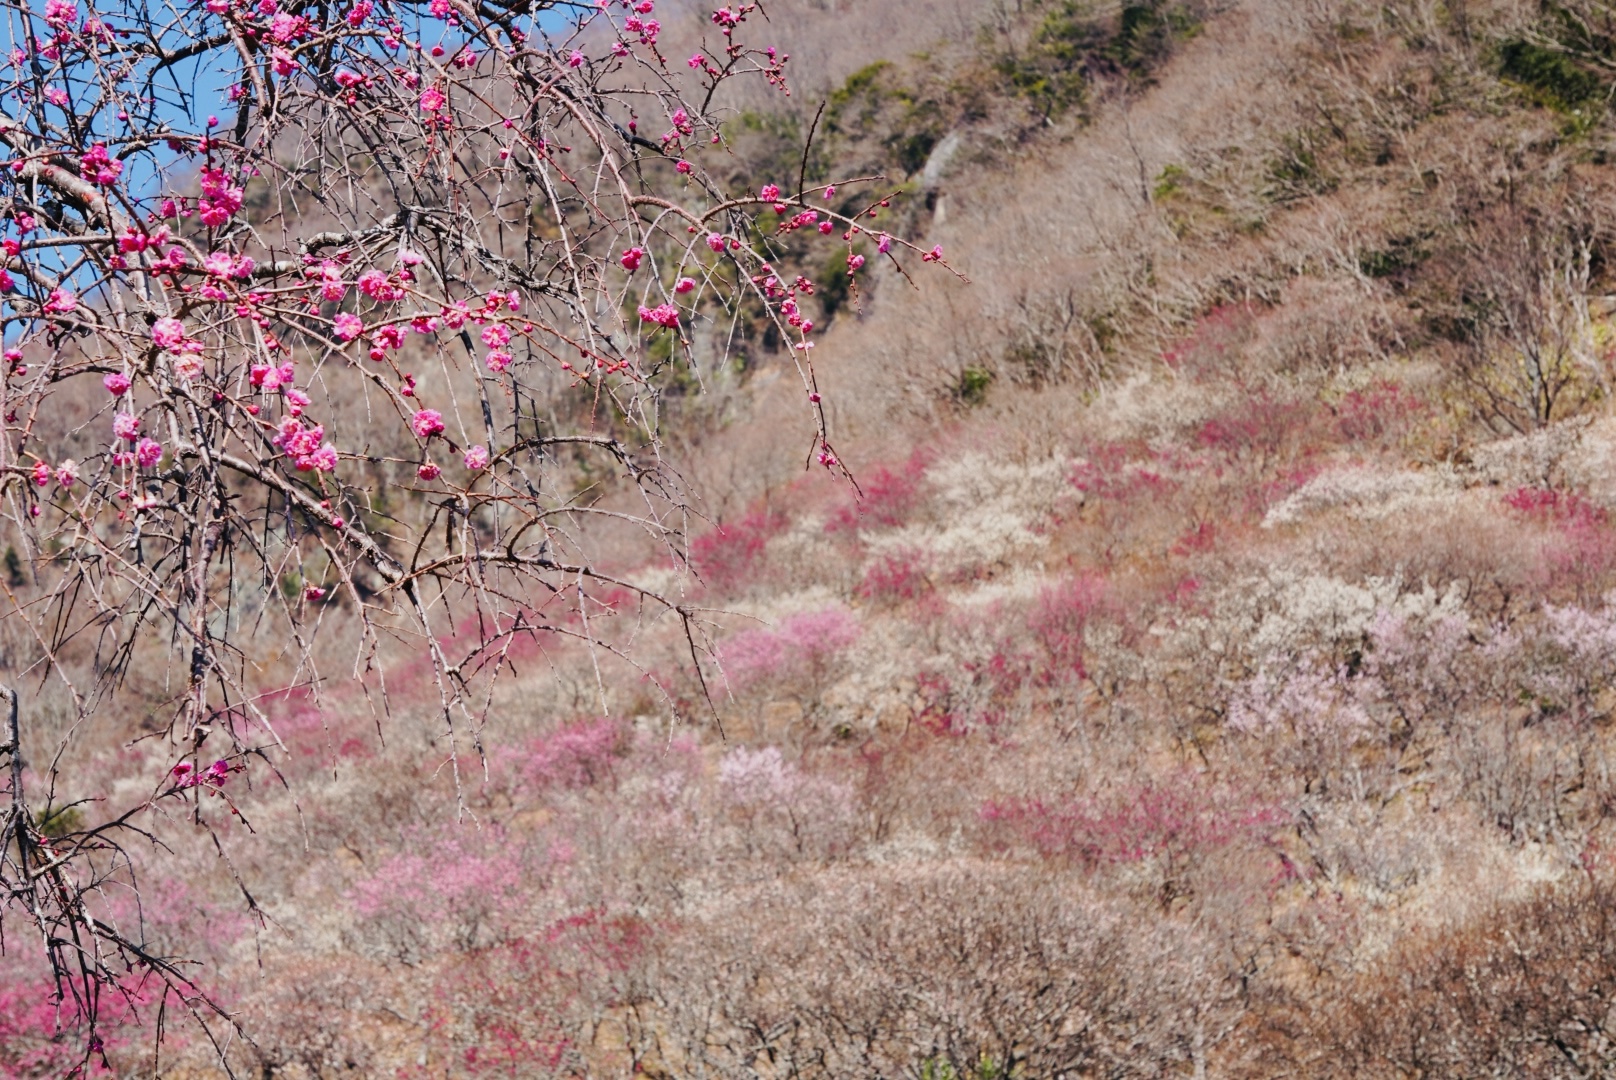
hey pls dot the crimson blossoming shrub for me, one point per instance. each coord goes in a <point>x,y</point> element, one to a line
<point>888,497</point>
<point>895,576</point>
<point>1578,545</point>
<point>1058,621</point>
<point>1170,827</point>
<point>726,555</point>
<point>329,368</point>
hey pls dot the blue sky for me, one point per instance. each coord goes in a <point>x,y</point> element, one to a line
<point>192,90</point>
<point>188,92</point>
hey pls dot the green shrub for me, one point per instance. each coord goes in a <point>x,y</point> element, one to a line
<point>1553,79</point>
<point>1071,42</point>
<point>1052,71</point>
<point>971,386</point>
<point>56,821</point>
<point>904,122</point>
<point>833,286</point>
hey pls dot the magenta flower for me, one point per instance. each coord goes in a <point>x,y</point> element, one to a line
<point>117,383</point>
<point>168,333</point>
<point>98,166</point>
<point>348,325</point>
<point>297,440</point>
<point>322,460</point>
<point>428,471</point>
<point>427,423</point>
<point>663,315</point>
<point>631,259</point>
<point>432,99</point>
<point>498,361</point>
<point>287,27</point>
<point>220,198</point>
<point>374,284</point>
<point>126,426</point>
<point>476,457</point>
<point>148,452</point>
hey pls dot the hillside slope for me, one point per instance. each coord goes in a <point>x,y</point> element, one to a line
<point>1211,674</point>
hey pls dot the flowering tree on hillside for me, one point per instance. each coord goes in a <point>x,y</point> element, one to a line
<point>334,349</point>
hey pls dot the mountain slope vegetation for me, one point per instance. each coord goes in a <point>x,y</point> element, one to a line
<point>1209,672</point>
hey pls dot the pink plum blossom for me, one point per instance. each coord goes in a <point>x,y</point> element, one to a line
<point>427,423</point>
<point>663,315</point>
<point>168,333</point>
